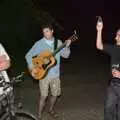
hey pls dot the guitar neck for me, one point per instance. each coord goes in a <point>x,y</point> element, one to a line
<point>58,49</point>
<point>72,38</point>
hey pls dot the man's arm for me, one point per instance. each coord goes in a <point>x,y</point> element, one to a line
<point>99,43</point>
<point>65,52</point>
<point>107,48</point>
<point>32,52</point>
<point>116,73</point>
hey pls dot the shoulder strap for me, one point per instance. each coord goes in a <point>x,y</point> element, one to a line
<point>55,44</point>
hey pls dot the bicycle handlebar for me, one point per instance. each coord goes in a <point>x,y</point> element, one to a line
<point>19,76</point>
<point>16,79</point>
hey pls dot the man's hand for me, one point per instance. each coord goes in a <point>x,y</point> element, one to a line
<point>46,60</point>
<point>99,25</point>
<point>33,72</point>
<point>116,73</point>
<point>68,42</point>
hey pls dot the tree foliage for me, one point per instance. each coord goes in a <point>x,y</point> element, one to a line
<point>20,21</point>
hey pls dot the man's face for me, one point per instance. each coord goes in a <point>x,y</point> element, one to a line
<point>48,33</point>
<point>118,36</point>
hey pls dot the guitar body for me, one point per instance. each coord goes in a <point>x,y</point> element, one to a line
<point>40,66</point>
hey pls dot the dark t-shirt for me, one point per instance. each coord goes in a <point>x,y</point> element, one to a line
<point>114,52</point>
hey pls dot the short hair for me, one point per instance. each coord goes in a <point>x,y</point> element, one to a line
<point>47,26</point>
<point>118,30</point>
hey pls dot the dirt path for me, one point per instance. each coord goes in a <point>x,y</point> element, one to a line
<point>83,88</point>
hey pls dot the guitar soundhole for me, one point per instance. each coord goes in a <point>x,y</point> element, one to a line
<point>45,65</point>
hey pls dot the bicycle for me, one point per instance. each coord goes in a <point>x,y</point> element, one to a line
<point>8,111</point>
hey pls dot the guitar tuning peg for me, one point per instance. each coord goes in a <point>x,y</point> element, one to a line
<point>75,31</point>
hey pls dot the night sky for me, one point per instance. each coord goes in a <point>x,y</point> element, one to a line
<point>82,16</point>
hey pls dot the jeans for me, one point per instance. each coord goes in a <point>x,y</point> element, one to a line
<point>112,102</point>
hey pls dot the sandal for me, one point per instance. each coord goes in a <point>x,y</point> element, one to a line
<point>54,114</point>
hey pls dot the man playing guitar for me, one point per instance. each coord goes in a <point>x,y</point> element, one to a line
<point>52,79</point>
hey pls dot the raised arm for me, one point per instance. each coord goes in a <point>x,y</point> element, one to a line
<point>99,27</point>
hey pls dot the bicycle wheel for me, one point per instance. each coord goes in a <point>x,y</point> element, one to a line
<point>24,116</point>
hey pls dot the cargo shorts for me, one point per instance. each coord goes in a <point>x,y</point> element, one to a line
<point>50,83</point>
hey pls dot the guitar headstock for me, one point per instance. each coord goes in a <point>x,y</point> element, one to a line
<point>74,37</point>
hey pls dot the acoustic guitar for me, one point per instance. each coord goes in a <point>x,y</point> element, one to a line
<point>45,60</point>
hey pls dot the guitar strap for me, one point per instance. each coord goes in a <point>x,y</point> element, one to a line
<point>55,44</point>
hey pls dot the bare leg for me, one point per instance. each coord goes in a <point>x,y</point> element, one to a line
<point>41,106</point>
<point>52,104</point>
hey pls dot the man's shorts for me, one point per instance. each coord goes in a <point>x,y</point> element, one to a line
<point>52,83</point>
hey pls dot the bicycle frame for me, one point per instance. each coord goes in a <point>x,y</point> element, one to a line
<point>8,95</point>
